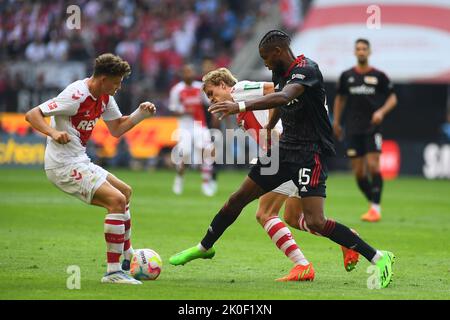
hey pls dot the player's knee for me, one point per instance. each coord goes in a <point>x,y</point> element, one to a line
<point>315,223</point>
<point>290,219</point>
<point>127,191</point>
<point>263,215</point>
<point>117,203</point>
<point>373,168</point>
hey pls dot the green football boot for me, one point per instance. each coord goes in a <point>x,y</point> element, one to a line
<point>193,253</point>
<point>384,266</point>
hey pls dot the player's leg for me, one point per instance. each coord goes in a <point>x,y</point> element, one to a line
<point>126,190</point>
<point>269,206</point>
<point>356,150</point>
<point>313,209</point>
<point>293,215</point>
<point>359,170</point>
<point>373,146</point>
<point>110,198</point>
<point>247,192</point>
<point>206,147</point>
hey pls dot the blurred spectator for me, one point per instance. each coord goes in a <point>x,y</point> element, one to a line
<point>36,51</point>
<point>154,36</point>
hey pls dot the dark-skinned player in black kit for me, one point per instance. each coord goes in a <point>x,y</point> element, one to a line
<point>300,102</point>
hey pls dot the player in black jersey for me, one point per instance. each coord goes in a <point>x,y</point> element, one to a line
<point>367,94</point>
<point>306,140</point>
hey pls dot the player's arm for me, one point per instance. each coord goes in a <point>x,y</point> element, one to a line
<point>272,100</point>
<point>35,118</point>
<point>339,105</point>
<point>118,127</point>
<point>389,105</point>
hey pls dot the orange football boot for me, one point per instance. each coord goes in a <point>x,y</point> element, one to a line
<point>351,258</point>
<point>299,273</point>
<point>371,216</point>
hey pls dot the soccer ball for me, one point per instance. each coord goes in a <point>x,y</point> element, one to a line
<point>145,264</point>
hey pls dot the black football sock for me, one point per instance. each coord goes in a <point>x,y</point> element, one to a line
<point>345,237</point>
<point>365,187</point>
<point>220,223</point>
<point>377,187</point>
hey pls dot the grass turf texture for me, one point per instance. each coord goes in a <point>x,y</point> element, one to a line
<point>43,231</point>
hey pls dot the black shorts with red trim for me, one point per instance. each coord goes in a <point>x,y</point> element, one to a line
<point>309,175</point>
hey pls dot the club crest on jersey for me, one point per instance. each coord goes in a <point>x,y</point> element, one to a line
<point>87,125</point>
<point>77,95</point>
<point>371,80</point>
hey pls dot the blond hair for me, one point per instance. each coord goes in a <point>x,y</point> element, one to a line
<point>219,75</point>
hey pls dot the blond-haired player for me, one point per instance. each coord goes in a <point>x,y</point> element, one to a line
<point>220,85</point>
<point>74,113</point>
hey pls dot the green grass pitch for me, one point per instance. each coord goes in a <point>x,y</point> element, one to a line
<point>43,231</point>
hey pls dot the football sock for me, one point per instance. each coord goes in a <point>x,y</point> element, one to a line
<point>219,224</point>
<point>376,207</point>
<point>345,237</point>
<point>365,187</point>
<point>114,229</point>
<point>201,248</point>
<point>377,187</point>
<point>207,170</point>
<point>377,257</point>
<point>281,236</point>
<point>127,248</point>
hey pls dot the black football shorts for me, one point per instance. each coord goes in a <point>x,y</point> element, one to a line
<point>359,145</point>
<point>309,175</point>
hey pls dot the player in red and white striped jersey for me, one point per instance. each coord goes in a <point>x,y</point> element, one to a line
<point>221,85</point>
<point>74,113</point>
<point>187,101</point>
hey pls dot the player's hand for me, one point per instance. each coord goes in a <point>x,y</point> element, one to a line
<point>61,137</point>
<point>147,108</point>
<point>226,108</point>
<point>337,129</point>
<point>377,117</point>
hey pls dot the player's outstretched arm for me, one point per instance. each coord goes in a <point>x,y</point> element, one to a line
<point>272,100</point>
<point>36,119</point>
<point>119,126</point>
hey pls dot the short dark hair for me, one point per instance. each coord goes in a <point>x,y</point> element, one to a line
<point>275,37</point>
<point>362,40</point>
<point>111,65</point>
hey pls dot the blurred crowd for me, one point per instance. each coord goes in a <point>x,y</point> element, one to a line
<point>155,36</point>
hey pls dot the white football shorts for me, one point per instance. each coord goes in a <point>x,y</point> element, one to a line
<point>288,188</point>
<point>80,180</point>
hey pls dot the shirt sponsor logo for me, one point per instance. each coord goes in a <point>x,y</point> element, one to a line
<point>298,76</point>
<point>252,86</point>
<point>363,89</point>
<point>87,125</point>
<point>371,80</point>
<point>52,105</point>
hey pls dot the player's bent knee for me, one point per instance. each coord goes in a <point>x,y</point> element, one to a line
<point>127,193</point>
<point>117,203</point>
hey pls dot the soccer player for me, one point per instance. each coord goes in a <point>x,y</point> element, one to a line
<point>300,102</point>
<point>368,96</point>
<point>74,113</point>
<point>187,102</point>
<point>220,85</point>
